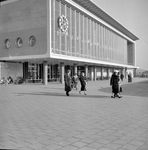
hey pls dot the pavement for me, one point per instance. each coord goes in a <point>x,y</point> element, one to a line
<point>38,117</point>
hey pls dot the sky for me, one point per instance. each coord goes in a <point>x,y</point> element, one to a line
<point>133,15</point>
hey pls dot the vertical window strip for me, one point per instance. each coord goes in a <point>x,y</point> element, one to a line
<point>75,38</point>
<point>66,34</point>
<point>95,38</point>
<point>60,32</point>
<point>80,34</point>
<point>87,37</point>
<point>96,41</point>
<point>105,44</point>
<point>91,43</point>
<point>70,34</point>
<point>54,25</point>
<point>100,43</point>
<point>107,51</point>
<point>83,28</point>
<point>102,36</point>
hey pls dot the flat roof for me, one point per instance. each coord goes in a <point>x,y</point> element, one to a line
<point>94,9</point>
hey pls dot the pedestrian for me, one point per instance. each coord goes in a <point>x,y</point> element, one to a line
<point>83,82</point>
<point>114,82</point>
<point>119,82</point>
<point>67,79</point>
<point>122,76</point>
<point>75,80</point>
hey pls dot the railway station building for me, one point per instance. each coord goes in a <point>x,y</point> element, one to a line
<point>41,39</point>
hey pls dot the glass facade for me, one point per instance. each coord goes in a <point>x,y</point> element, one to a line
<point>87,38</point>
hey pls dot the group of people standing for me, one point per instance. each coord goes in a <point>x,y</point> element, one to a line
<point>73,82</point>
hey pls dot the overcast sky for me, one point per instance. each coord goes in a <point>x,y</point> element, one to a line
<point>132,14</point>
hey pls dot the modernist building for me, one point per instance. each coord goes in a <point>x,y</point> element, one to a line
<point>41,39</point>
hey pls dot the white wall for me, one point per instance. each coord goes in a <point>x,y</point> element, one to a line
<point>11,69</point>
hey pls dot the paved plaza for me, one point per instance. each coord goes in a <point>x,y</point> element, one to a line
<point>38,117</point>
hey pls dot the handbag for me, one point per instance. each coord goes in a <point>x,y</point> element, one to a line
<point>121,90</point>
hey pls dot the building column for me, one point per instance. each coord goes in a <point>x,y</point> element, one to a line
<point>0,70</point>
<point>25,70</point>
<point>45,72</point>
<point>91,73</point>
<point>125,73</point>
<point>75,68</point>
<point>102,70</point>
<point>108,71</point>
<point>62,72</point>
<point>41,72</point>
<point>56,71</point>
<point>95,73</point>
<point>86,70</point>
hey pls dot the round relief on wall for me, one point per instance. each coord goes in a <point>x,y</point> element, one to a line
<point>32,41</point>
<point>19,42</point>
<point>7,43</point>
<point>63,23</point>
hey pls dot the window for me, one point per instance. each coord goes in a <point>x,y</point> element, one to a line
<point>32,41</point>
<point>7,43</point>
<point>19,42</point>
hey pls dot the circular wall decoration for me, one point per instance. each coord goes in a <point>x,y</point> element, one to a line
<point>19,42</point>
<point>7,43</point>
<point>32,41</point>
<point>63,23</point>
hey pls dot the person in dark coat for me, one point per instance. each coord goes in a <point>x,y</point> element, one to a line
<point>67,79</point>
<point>83,82</point>
<point>114,82</point>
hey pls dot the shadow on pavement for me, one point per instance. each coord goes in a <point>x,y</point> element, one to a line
<point>139,89</point>
<point>63,95</point>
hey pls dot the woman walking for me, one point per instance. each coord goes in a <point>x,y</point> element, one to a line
<point>83,82</point>
<point>75,81</point>
<point>67,79</point>
<point>114,82</point>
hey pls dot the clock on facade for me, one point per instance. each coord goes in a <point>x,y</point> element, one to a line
<point>63,23</point>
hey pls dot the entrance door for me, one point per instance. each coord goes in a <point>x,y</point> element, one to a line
<point>35,72</point>
<point>53,73</point>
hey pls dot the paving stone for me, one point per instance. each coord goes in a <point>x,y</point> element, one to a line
<point>52,147</point>
<point>131,147</point>
<point>34,116</point>
<point>88,140</point>
<point>96,145</point>
<point>136,142</point>
<point>144,147</point>
<point>113,146</point>
<point>69,148</point>
<point>79,144</point>
<point>87,148</point>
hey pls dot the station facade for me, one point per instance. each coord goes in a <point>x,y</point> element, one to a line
<point>40,40</point>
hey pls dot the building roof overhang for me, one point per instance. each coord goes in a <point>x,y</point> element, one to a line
<point>94,9</point>
<point>2,0</point>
